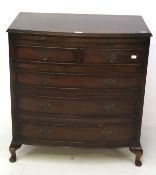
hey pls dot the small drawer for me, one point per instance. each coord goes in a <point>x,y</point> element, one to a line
<point>105,133</point>
<point>79,81</point>
<point>78,106</point>
<point>106,56</point>
<point>64,55</point>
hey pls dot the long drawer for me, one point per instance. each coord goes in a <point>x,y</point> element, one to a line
<point>106,133</point>
<point>75,120</point>
<point>79,81</point>
<point>78,106</point>
<point>77,92</point>
<point>80,69</point>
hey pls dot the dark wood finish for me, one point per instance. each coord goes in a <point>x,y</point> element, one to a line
<point>66,55</point>
<point>79,69</point>
<point>45,54</point>
<point>78,106</point>
<point>137,150</point>
<point>113,56</point>
<point>79,42</point>
<point>72,24</point>
<point>13,147</point>
<point>78,92</point>
<point>76,120</point>
<point>109,133</point>
<point>78,80</point>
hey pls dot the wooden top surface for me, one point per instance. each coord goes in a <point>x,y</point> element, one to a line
<point>79,25</point>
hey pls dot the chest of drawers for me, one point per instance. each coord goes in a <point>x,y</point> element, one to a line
<point>78,80</point>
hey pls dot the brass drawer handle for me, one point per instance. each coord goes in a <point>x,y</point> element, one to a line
<point>106,132</point>
<point>110,83</point>
<point>45,80</point>
<point>111,57</point>
<point>44,55</point>
<point>44,105</point>
<point>45,58</point>
<point>45,131</point>
<point>108,107</point>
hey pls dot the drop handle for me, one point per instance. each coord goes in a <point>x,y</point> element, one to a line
<point>44,55</point>
<point>109,83</point>
<point>44,105</point>
<point>45,58</point>
<point>111,57</point>
<point>45,131</point>
<point>106,132</point>
<point>108,107</point>
<point>45,80</point>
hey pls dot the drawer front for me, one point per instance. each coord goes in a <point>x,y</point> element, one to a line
<point>79,69</point>
<point>105,106</point>
<point>79,81</point>
<point>78,92</point>
<point>75,120</point>
<point>113,56</point>
<point>78,134</point>
<point>44,54</point>
<point>54,41</point>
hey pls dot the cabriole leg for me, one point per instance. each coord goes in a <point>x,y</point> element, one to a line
<point>12,149</point>
<point>138,153</point>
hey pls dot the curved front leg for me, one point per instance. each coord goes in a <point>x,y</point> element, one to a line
<point>12,149</point>
<point>138,151</point>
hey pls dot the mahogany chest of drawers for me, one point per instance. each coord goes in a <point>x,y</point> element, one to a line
<point>78,80</point>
